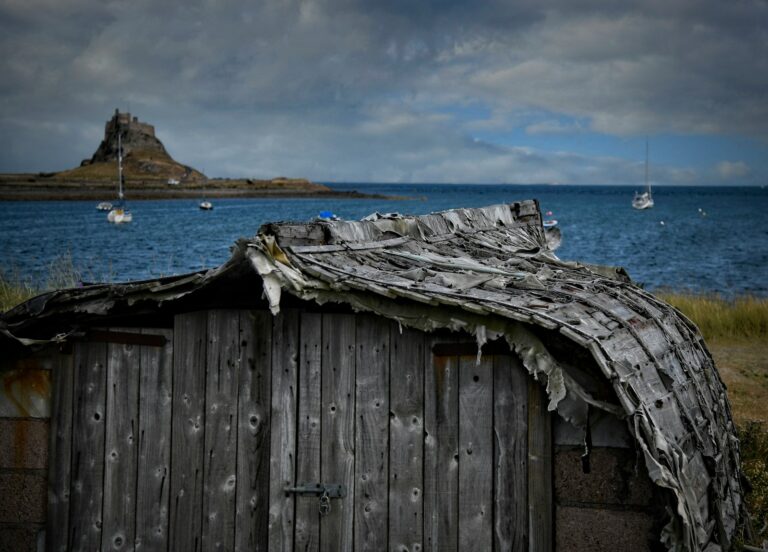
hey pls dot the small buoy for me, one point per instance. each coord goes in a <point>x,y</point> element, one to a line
<point>549,213</point>
<point>699,209</point>
<point>662,223</point>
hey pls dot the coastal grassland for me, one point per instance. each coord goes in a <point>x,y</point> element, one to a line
<point>736,332</point>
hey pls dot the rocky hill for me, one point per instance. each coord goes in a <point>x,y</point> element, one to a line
<point>144,156</point>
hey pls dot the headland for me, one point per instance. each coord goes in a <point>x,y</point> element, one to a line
<point>149,172</point>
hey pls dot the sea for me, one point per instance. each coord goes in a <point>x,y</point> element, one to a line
<point>696,239</point>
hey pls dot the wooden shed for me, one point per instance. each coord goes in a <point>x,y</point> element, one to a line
<point>441,382</point>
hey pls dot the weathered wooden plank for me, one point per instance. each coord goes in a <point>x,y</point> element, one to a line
<point>337,455</point>
<point>510,402</point>
<point>219,483</point>
<point>285,347</point>
<point>154,444</point>
<point>540,504</point>
<point>60,455</point>
<point>308,452</point>
<point>123,370</point>
<point>88,446</point>
<point>475,453</point>
<point>406,440</point>
<point>188,430</point>
<point>254,403</point>
<point>371,433</point>
<point>441,453</point>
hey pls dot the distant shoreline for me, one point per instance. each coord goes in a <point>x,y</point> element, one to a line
<point>142,195</point>
<point>27,187</point>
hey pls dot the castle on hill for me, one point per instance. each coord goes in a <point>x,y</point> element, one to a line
<point>134,135</point>
<point>123,121</point>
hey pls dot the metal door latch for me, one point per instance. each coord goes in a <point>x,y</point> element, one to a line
<point>332,490</point>
<point>326,491</point>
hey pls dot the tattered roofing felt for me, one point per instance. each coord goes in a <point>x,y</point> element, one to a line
<point>489,272</point>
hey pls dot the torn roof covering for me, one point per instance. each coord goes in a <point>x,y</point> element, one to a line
<point>489,272</point>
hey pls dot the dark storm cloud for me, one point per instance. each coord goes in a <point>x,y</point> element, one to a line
<point>369,90</point>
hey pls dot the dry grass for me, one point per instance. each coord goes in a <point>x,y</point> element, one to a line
<point>719,318</point>
<point>15,289</point>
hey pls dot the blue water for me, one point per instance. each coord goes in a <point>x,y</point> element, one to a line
<point>725,251</point>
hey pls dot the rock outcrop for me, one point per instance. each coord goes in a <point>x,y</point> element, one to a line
<point>135,136</point>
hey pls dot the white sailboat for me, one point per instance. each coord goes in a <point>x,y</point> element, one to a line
<point>205,205</point>
<point>119,214</point>
<point>644,200</point>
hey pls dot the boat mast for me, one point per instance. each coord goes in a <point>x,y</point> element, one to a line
<point>119,165</point>
<point>647,184</point>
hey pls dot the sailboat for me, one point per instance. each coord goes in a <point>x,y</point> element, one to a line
<point>644,200</point>
<point>205,205</point>
<point>119,214</point>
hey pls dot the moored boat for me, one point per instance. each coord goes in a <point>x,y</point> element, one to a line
<point>644,200</point>
<point>120,213</point>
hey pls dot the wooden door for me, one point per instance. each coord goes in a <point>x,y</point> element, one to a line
<point>488,458</point>
<point>437,449</point>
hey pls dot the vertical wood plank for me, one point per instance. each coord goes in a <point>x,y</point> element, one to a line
<point>540,506</point>
<point>219,483</point>
<point>338,426</point>
<point>510,481</point>
<point>285,347</point>
<point>308,446</point>
<point>441,453</point>
<point>475,453</point>
<point>123,370</point>
<point>251,527</point>
<point>154,454</point>
<point>406,440</point>
<point>188,430</point>
<point>88,446</point>
<point>371,433</point>
<point>60,456</point>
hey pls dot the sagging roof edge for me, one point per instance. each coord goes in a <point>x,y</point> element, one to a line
<point>666,466</point>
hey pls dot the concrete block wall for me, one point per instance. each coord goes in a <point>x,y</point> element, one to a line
<point>24,440</point>
<point>608,508</point>
<point>612,506</point>
<point>23,482</point>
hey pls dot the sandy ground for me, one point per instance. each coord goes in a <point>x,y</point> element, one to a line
<point>743,365</point>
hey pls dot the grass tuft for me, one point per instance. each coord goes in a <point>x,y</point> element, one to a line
<point>15,289</point>
<point>753,437</point>
<point>720,318</point>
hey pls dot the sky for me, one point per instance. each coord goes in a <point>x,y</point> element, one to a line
<point>451,91</point>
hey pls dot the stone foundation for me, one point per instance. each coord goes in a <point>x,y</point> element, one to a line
<point>607,509</point>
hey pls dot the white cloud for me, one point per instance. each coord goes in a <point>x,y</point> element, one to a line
<point>554,127</point>
<point>732,169</point>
